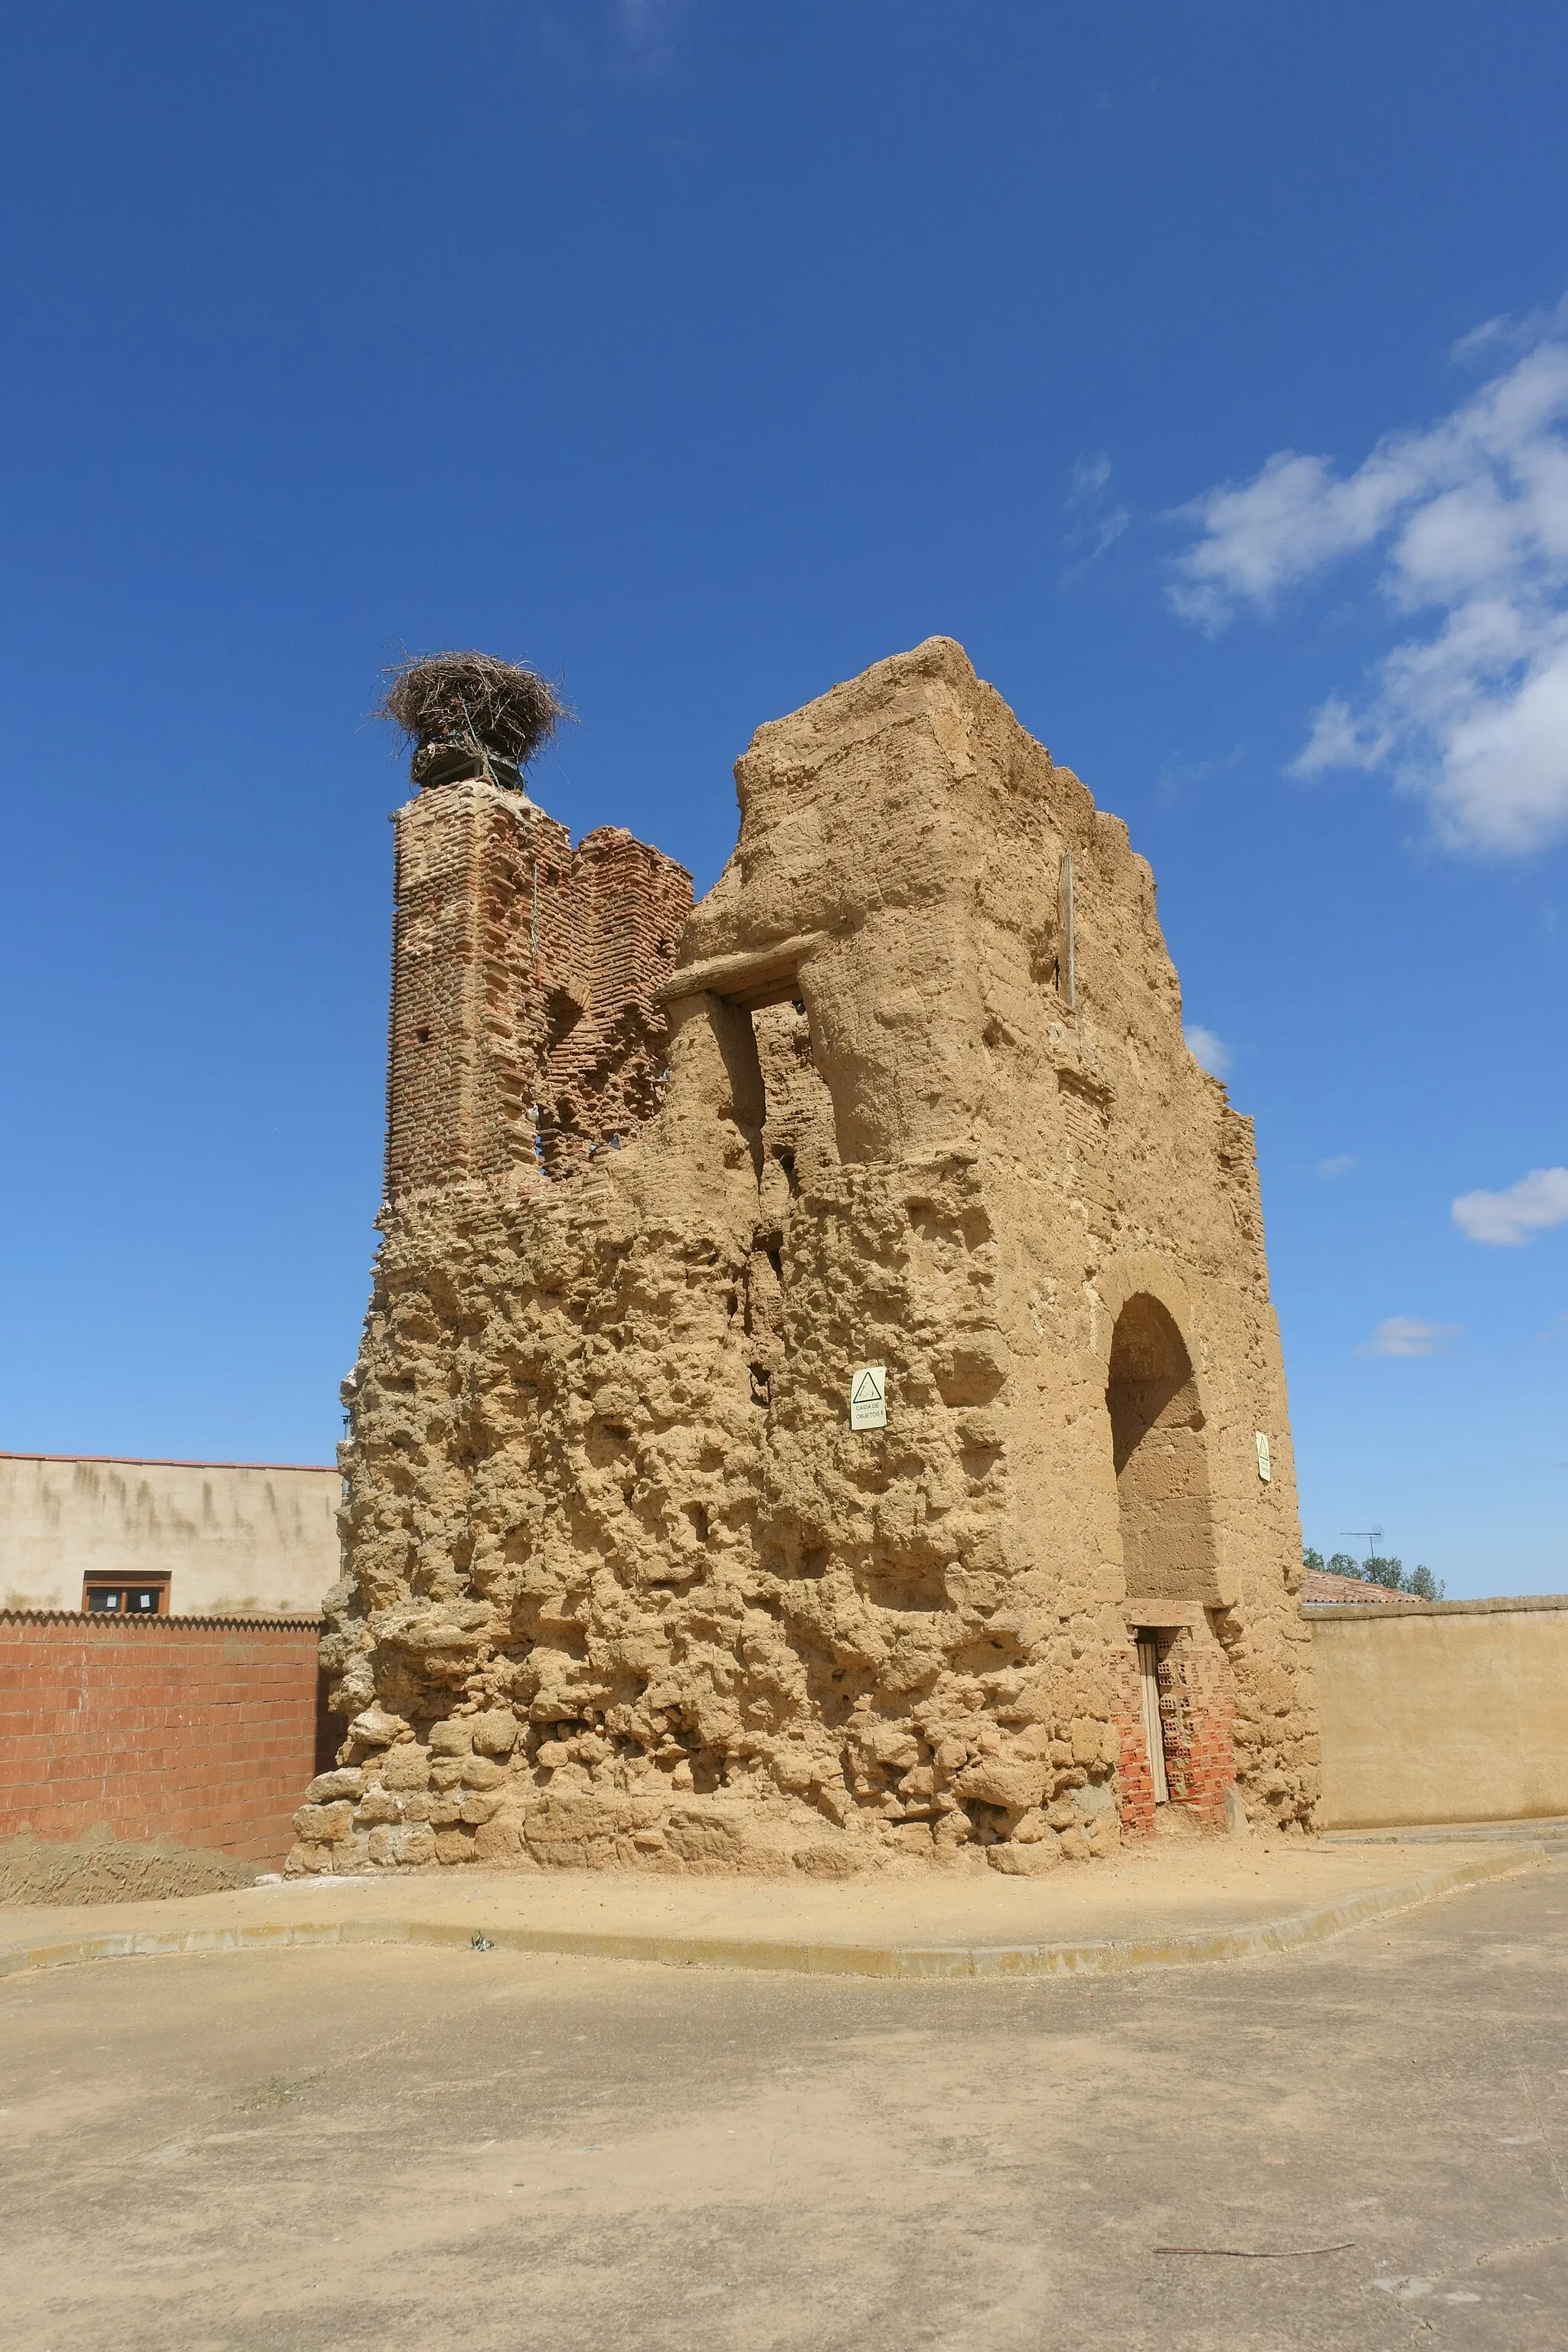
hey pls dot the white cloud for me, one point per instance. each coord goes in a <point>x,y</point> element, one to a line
<point>1211,1053</point>
<point>1340,1165</point>
<point>1097,527</point>
<point>1089,477</point>
<point>1514,330</point>
<point>1404,1335</point>
<point>1536,1202</point>
<point>1470,515</point>
<point>647,28</point>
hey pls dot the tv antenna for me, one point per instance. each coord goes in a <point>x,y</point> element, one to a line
<point>1371,1536</point>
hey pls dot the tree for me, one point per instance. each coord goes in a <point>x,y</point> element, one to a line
<point>1391,1574</point>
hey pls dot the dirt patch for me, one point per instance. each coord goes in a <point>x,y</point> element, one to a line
<point>98,1868</point>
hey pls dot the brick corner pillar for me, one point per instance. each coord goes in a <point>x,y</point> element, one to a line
<point>1134,1775</point>
<point>481,874</point>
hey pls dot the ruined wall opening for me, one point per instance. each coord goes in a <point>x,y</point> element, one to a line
<point>1161,1465</point>
<point>797,1122</point>
<point>1175,1713</point>
<point>1148,1646</point>
<point>777,1098</point>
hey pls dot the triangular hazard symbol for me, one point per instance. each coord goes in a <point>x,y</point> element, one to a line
<point>866,1390</point>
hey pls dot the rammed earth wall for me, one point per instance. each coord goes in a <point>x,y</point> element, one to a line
<point>624,1586</point>
<point>1444,1711</point>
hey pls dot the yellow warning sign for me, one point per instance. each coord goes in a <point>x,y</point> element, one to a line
<point>868,1396</point>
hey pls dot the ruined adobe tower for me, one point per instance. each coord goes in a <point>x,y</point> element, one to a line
<point>908,1091</point>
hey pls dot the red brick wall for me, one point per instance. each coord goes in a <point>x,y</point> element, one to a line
<point>1197,1708</point>
<point>202,1729</point>
<point>473,971</point>
<point>1134,1778</point>
<point>524,1031</point>
<point>604,1078</point>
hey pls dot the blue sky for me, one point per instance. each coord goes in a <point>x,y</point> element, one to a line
<point>1202,370</point>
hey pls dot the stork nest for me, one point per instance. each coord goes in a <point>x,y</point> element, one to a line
<point>457,707</point>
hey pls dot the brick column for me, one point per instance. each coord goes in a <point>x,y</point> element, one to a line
<point>1197,1708</point>
<point>1135,1780</point>
<point>469,1012</point>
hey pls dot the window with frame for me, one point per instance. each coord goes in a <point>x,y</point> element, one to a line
<point>146,1596</point>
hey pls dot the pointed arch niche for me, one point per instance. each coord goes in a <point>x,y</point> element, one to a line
<point>1161,1464</point>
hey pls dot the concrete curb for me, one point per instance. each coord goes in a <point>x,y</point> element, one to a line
<point>1109,1956</point>
<point>1547,1830</point>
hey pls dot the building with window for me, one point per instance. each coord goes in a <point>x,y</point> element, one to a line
<point>154,1538</point>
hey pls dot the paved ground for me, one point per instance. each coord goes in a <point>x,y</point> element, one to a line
<point>310,2150</point>
<point>1173,1898</point>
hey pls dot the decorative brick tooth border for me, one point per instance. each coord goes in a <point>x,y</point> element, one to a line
<point>111,1620</point>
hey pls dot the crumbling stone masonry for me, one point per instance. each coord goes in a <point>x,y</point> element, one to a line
<point>908,1089</point>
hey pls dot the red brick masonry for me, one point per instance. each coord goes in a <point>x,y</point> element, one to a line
<point>525,1031</point>
<point>1197,1708</point>
<point>1134,1777</point>
<point>1320,1586</point>
<point>202,1729</point>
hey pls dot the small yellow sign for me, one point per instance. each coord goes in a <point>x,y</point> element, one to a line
<point>868,1396</point>
<point>1265,1467</point>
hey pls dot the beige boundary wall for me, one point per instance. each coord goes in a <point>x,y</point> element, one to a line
<point>1443,1711</point>
<point>231,1537</point>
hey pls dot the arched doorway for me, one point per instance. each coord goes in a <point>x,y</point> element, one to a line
<point>1161,1467</point>
<point>1177,1701</point>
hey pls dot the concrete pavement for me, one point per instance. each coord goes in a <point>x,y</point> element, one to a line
<point>1177,1901</point>
<point>320,2150</point>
